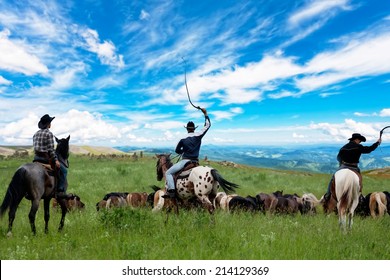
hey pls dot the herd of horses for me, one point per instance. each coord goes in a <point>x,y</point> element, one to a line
<point>197,187</point>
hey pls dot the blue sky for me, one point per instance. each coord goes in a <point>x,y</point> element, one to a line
<point>268,72</point>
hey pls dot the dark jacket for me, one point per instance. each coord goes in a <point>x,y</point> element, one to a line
<point>350,153</point>
<point>189,146</point>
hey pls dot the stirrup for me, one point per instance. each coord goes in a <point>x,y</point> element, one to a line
<point>169,194</point>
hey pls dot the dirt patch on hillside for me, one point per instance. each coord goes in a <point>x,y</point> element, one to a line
<point>6,151</point>
<point>382,172</point>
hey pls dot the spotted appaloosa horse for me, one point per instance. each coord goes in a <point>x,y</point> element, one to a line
<point>202,182</point>
<point>347,194</point>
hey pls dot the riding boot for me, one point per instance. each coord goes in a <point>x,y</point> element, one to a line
<point>170,194</point>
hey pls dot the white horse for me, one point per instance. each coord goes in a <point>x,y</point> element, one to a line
<point>201,182</point>
<point>347,193</point>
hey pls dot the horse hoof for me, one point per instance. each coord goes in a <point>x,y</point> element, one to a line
<point>9,234</point>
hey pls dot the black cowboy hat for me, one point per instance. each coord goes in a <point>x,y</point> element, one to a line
<point>45,121</point>
<point>357,136</point>
<point>190,125</point>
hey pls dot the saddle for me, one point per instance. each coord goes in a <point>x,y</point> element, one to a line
<point>48,167</point>
<point>185,172</point>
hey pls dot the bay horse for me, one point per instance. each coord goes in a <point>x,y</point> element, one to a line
<point>201,182</point>
<point>33,182</point>
<point>347,188</point>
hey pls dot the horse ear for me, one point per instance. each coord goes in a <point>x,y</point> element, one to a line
<point>68,138</point>
<point>56,139</point>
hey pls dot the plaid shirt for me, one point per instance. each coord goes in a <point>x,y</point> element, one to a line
<point>43,141</point>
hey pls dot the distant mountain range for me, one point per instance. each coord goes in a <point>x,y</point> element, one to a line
<point>321,159</point>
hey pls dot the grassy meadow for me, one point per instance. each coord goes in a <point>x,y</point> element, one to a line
<point>139,234</point>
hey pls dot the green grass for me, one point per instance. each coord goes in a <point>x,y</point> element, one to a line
<point>192,235</point>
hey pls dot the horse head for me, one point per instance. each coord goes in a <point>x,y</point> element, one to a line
<point>163,164</point>
<point>63,147</point>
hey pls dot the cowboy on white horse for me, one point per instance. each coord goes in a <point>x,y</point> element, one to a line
<point>189,148</point>
<point>349,155</point>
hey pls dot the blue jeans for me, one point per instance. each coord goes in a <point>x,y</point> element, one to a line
<point>62,183</point>
<point>171,171</point>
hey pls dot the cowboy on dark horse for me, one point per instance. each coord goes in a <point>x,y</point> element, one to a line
<point>348,157</point>
<point>43,142</point>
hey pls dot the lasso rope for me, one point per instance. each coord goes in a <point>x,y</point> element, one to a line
<point>185,81</point>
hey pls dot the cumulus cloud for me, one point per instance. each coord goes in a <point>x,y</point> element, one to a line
<point>342,131</point>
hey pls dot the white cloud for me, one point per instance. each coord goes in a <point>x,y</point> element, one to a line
<point>299,136</point>
<point>357,59</point>
<point>144,15</point>
<point>4,81</point>
<point>317,8</point>
<point>222,140</point>
<point>343,131</point>
<point>15,57</point>
<point>221,115</point>
<point>106,51</point>
<point>385,112</point>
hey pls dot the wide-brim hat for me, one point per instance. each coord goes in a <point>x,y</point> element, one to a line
<point>45,121</point>
<point>190,125</point>
<point>357,136</point>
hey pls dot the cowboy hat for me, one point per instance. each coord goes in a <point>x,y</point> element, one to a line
<point>357,136</point>
<point>190,125</point>
<point>45,121</point>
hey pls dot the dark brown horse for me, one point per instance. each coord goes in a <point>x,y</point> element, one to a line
<point>33,182</point>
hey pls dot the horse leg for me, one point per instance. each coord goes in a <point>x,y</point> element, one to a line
<point>350,220</point>
<point>11,215</point>
<point>31,215</point>
<point>63,213</point>
<point>342,218</point>
<point>206,203</point>
<point>46,207</point>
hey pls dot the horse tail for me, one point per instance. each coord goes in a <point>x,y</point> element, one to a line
<point>226,185</point>
<point>14,190</point>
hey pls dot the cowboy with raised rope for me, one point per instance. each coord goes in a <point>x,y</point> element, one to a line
<point>189,148</point>
<point>349,156</point>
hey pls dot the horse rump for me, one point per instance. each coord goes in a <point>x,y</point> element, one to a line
<point>239,203</point>
<point>377,204</point>
<point>14,192</point>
